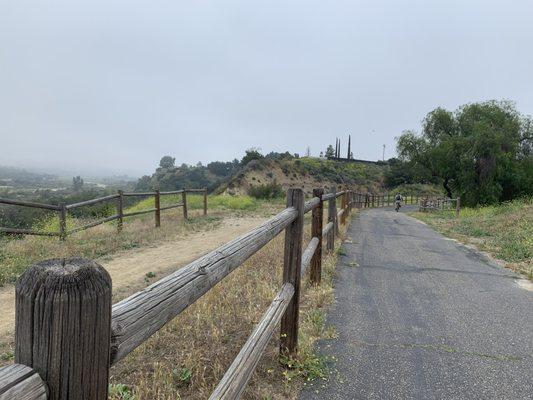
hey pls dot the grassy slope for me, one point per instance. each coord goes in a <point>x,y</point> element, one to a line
<point>505,231</point>
<point>308,173</point>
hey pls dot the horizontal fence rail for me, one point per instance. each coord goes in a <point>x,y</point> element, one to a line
<point>19,382</point>
<point>139,316</point>
<point>63,210</point>
<point>235,379</point>
<point>106,333</point>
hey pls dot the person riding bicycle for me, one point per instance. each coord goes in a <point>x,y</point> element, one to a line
<point>398,200</point>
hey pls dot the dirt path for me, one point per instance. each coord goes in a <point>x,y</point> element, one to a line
<point>128,269</point>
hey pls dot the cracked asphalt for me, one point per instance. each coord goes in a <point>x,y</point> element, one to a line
<point>419,316</point>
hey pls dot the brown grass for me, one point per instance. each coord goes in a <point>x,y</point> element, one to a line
<point>206,337</point>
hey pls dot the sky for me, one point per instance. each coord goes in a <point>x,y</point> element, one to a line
<point>109,87</point>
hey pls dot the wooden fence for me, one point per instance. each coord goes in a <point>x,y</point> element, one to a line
<point>62,209</point>
<point>68,333</point>
<point>440,204</point>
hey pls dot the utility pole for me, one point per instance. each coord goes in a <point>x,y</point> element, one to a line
<point>349,145</point>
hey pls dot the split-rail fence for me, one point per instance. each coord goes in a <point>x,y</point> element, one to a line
<point>62,209</point>
<point>68,334</point>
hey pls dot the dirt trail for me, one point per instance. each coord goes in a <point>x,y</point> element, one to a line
<point>128,269</point>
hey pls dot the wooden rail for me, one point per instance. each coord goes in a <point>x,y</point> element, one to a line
<point>57,360</point>
<point>440,204</point>
<point>63,210</point>
<point>73,358</point>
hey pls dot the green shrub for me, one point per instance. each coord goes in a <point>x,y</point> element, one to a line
<point>266,191</point>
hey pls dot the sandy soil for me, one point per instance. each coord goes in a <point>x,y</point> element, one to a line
<point>128,269</point>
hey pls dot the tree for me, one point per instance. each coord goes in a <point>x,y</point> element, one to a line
<point>77,183</point>
<point>251,154</point>
<point>330,151</point>
<point>477,152</point>
<point>167,162</point>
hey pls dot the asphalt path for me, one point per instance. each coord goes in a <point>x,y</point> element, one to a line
<point>419,316</point>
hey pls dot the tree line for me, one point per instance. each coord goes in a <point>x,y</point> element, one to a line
<point>482,152</point>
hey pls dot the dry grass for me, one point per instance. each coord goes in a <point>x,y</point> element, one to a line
<point>505,231</point>
<point>17,254</point>
<point>187,358</point>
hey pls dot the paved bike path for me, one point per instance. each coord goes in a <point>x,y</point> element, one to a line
<point>419,316</point>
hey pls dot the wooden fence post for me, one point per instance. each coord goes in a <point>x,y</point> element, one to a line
<point>291,272</point>
<point>331,218</point>
<point>157,201</point>
<point>120,210</point>
<point>63,327</point>
<point>205,201</point>
<point>343,207</point>
<point>316,231</point>
<point>335,217</point>
<point>62,221</point>
<point>184,201</point>
<point>458,207</point>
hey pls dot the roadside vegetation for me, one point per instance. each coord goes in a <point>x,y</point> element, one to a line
<point>18,253</point>
<point>188,357</point>
<point>505,231</point>
<point>481,152</point>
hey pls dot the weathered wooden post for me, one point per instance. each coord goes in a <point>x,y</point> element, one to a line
<point>62,221</point>
<point>316,231</point>
<point>335,216</point>
<point>331,218</point>
<point>63,326</point>
<point>343,207</point>
<point>373,200</point>
<point>388,199</point>
<point>291,272</point>
<point>120,210</point>
<point>184,201</point>
<point>157,200</point>
<point>458,207</point>
<point>205,201</point>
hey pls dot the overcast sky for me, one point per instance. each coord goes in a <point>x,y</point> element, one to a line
<point>111,86</point>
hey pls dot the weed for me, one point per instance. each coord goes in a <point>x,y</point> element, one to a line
<point>341,251</point>
<point>7,356</point>
<point>182,377</point>
<point>120,392</point>
<point>148,276</point>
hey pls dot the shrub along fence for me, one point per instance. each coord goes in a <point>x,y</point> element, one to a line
<point>62,209</point>
<point>68,333</point>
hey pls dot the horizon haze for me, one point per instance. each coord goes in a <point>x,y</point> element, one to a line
<point>92,87</point>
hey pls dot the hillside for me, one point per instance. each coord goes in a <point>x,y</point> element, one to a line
<point>305,172</point>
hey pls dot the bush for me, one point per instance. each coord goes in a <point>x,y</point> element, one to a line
<point>266,191</point>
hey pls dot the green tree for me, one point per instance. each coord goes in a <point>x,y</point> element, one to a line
<point>167,162</point>
<point>482,152</point>
<point>330,151</point>
<point>251,154</point>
